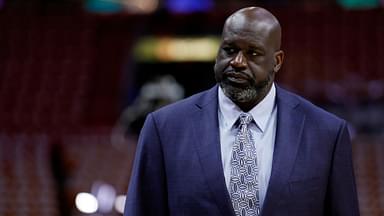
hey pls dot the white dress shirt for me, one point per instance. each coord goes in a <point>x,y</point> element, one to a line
<point>263,132</point>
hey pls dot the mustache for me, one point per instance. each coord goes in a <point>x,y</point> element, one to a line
<point>237,74</point>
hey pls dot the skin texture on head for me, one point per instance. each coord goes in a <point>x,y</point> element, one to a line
<point>249,56</point>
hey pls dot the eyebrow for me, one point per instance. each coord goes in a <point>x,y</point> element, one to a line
<point>256,47</point>
<point>227,41</point>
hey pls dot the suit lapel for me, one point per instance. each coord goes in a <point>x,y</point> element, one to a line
<point>207,142</point>
<point>290,122</point>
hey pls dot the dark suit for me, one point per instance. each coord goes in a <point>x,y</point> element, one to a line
<point>178,169</point>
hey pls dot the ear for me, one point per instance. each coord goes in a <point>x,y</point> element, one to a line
<point>279,59</point>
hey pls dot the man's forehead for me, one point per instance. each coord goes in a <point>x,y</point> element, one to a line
<point>248,26</point>
<point>253,31</point>
<point>237,20</point>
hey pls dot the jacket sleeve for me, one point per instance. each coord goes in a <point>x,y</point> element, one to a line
<point>341,197</point>
<point>147,191</point>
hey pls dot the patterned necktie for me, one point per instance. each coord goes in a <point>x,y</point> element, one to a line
<point>244,188</point>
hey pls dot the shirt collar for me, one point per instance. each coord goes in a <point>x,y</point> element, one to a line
<point>261,112</point>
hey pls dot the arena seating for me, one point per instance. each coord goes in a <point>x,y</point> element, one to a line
<point>27,186</point>
<point>61,76</point>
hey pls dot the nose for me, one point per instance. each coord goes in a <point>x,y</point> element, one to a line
<point>239,62</point>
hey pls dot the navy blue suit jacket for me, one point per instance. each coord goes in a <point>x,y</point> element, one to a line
<point>178,169</point>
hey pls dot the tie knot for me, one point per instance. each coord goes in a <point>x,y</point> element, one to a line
<point>245,118</point>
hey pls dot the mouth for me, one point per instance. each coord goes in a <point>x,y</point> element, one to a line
<point>237,78</point>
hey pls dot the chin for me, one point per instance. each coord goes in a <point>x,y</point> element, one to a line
<point>240,95</point>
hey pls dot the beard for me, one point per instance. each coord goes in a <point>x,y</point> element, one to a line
<point>248,93</point>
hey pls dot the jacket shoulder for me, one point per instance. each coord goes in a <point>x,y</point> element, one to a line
<point>312,112</point>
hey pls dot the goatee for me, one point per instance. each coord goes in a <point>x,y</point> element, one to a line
<point>246,94</point>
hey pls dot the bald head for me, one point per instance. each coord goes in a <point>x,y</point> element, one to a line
<point>256,20</point>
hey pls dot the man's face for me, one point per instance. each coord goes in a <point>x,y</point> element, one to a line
<point>245,62</point>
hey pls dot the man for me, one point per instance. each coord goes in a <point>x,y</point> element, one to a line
<point>246,146</point>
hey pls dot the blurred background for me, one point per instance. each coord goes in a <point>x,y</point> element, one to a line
<point>77,78</point>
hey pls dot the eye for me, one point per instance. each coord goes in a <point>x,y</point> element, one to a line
<point>254,53</point>
<point>229,50</point>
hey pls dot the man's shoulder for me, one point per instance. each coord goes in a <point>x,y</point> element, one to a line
<point>309,109</point>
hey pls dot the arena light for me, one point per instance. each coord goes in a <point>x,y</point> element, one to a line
<point>177,49</point>
<point>140,6</point>
<point>359,4</point>
<point>120,203</point>
<point>189,6</point>
<point>105,195</point>
<point>86,203</point>
<point>103,6</point>
<point>117,6</point>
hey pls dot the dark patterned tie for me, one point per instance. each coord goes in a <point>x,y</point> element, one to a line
<point>244,188</point>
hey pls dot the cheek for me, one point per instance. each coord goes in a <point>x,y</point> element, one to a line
<point>220,65</point>
<point>271,63</point>
<point>218,71</point>
<point>260,72</point>
<point>262,67</point>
